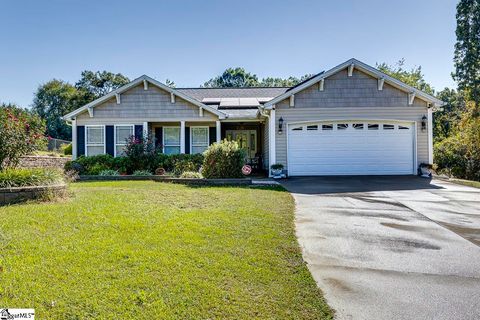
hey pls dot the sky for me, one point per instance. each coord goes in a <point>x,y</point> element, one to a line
<point>190,42</point>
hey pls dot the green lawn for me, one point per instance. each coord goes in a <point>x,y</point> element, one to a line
<point>148,250</point>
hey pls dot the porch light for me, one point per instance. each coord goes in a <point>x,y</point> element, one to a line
<point>280,125</point>
<point>424,123</point>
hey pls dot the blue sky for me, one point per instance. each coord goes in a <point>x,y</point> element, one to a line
<point>191,41</point>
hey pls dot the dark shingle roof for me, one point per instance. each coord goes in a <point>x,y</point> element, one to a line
<point>254,92</point>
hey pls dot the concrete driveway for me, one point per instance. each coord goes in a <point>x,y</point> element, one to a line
<point>391,247</point>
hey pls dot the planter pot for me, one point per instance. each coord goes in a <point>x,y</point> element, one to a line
<point>277,173</point>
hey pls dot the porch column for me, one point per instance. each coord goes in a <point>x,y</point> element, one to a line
<point>271,139</point>
<point>182,136</point>
<point>74,139</point>
<point>219,132</point>
<point>145,131</point>
<point>430,135</point>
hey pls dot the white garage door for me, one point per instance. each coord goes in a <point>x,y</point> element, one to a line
<point>350,148</point>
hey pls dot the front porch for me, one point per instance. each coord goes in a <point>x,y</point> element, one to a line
<point>191,137</point>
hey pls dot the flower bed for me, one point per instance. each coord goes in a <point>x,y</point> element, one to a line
<point>24,184</point>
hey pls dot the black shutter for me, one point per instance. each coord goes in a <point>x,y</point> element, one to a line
<point>212,134</point>
<point>139,132</point>
<point>158,137</point>
<point>109,140</point>
<point>80,141</point>
<point>187,140</point>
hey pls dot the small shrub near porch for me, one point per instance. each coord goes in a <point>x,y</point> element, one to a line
<point>223,160</point>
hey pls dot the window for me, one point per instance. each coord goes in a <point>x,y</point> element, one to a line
<point>403,128</point>
<point>373,126</point>
<point>388,127</point>
<point>122,134</point>
<point>171,140</point>
<point>311,128</point>
<point>297,129</point>
<point>358,126</point>
<point>327,126</point>
<point>198,139</point>
<point>94,140</point>
<point>342,126</point>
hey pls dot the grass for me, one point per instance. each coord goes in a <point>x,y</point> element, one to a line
<point>469,183</point>
<point>147,250</point>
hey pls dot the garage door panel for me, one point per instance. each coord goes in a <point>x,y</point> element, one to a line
<point>351,151</point>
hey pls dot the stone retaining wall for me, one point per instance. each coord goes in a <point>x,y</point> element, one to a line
<point>19,194</point>
<point>43,162</point>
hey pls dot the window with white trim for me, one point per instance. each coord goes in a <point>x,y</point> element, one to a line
<point>198,139</point>
<point>122,134</point>
<point>94,140</point>
<point>171,140</point>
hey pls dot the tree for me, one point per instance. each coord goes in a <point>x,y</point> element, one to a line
<point>446,120</point>
<point>97,84</point>
<point>233,77</point>
<point>21,133</point>
<point>413,77</point>
<point>467,48</point>
<point>239,78</point>
<point>53,100</point>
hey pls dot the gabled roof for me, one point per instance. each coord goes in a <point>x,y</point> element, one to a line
<point>136,82</point>
<point>360,66</point>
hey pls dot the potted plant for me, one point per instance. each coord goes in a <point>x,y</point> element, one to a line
<point>276,170</point>
<point>425,170</point>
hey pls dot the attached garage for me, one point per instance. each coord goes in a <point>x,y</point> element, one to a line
<point>356,147</point>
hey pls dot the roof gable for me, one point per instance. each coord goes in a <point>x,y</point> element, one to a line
<point>364,68</point>
<point>135,83</point>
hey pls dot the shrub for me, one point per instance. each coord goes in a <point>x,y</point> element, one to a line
<point>182,166</point>
<point>141,173</point>
<point>21,133</point>
<point>191,175</point>
<point>140,154</point>
<point>108,172</point>
<point>29,177</point>
<point>223,160</point>
<point>67,150</point>
<point>90,165</point>
<point>277,166</point>
<point>169,161</point>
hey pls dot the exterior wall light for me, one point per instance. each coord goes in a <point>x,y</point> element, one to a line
<point>424,123</point>
<point>280,125</point>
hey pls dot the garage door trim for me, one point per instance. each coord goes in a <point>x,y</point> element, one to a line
<point>364,120</point>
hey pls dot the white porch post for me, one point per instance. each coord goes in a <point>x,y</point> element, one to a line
<point>145,131</point>
<point>219,132</point>
<point>430,134</point>
<point>182,136</point>
<point>74,139</point>
<point>271,140</point>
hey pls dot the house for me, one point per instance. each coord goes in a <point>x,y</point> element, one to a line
<point>349,120</point>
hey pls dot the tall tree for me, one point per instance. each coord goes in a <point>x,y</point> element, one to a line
<point>53,100</point>
<point>280,82</point>
<point>97,84</point>
<point>447,119</point>
<point>467,48</point>
<point>413,77</point>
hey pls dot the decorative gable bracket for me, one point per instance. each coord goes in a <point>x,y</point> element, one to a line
<point>411,97</point>
<point>321,84</point>
<point>172,97</point>
<point>90,112</point>
<point>117,96</point>
<point>350,69</point>
<point>381,81</point>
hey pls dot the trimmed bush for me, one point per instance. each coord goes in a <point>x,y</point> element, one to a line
<point>10,178</point>
<point>68,150</point>
<point>141,173</point>
<point>109,172</point>
<point>90,165</point>
<point>223,160</point>
<point>191,175</point>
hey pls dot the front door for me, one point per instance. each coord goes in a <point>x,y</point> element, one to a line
<point>246,139</point>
